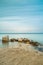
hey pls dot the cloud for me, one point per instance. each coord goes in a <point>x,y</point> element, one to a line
<point>15,27</point>
<point>21,24</point>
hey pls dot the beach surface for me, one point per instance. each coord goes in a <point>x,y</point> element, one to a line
<point>20,55</point>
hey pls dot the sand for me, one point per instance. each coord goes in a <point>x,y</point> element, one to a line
<point>20,55</point>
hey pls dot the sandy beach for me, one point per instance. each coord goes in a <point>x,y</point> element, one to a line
<point>20,55</point>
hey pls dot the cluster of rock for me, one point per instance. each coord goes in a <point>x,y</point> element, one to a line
<point>22,40</point>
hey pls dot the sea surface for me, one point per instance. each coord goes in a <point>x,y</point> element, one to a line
<point>34,37</point>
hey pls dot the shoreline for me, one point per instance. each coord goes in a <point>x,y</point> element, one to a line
<point>20,56</point>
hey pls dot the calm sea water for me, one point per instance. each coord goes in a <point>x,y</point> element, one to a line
<point>34,37</point>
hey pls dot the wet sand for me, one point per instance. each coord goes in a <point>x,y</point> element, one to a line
<point>20,55</point>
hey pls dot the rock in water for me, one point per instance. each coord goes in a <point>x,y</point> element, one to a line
<point>5,39</point>
<point>26,40</point>
<point>12,40</point>
<point>34,43</point>
<point>20,40</point>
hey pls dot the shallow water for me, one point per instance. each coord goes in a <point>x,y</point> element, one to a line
<point>34,37</point>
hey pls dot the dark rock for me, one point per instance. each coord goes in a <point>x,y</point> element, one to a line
<point>12,40</point>
<point>34,43</point>
<point>26,40</point>
<point>16,40</point>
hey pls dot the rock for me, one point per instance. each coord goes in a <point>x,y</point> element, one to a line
<point>16,40</point>
<point>20,40</point>
<point>12,40</point>
<point>5,39</point>
<point>26,40</point>
<point>34,43</point>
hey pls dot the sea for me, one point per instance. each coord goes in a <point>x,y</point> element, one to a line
<point>38,37</point>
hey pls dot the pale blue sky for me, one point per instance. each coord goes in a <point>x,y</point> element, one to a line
<point>21,16</point>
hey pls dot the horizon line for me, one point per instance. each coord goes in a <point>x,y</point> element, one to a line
<point>21,33</point>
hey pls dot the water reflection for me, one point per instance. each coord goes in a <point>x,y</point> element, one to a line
<point>5,44</point>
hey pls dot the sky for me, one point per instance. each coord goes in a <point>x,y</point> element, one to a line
<point>21,16</point>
